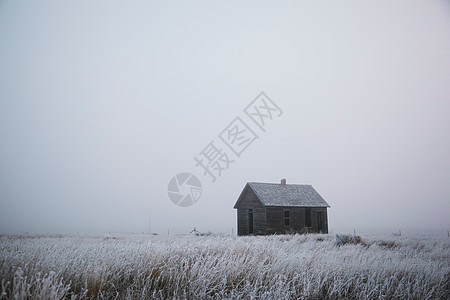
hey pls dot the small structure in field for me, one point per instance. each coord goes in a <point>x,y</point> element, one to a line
<point>271,208</point>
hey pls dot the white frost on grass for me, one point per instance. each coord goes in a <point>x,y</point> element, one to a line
<point>270,267</point>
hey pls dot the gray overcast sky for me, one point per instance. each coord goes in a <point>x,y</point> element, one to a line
<point>102,102</point>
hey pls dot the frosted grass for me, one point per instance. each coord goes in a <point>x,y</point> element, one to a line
<point>271,267</point>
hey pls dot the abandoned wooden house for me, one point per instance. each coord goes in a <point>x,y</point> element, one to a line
<point>271,208</point>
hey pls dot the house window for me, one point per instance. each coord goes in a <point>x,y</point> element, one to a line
<point>287,218</point>
<point>308,222</point>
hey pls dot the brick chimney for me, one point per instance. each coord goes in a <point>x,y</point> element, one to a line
<point>283,181</point>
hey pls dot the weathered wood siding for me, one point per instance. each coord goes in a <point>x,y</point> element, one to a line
<point>275,220</point>
<point>298,219</point>
<point>315,224</point>
<point>250,201</point>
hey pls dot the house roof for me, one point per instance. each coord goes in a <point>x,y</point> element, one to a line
<point>275,194</point>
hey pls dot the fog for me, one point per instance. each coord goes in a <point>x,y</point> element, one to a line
<point>102,103</point>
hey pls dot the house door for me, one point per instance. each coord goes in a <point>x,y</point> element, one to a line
<point>320,221</point>
<point>250,221</point>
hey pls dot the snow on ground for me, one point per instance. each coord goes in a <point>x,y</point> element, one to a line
<point>266,267</point>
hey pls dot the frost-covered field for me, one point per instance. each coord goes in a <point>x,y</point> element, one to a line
<point>273,267</point>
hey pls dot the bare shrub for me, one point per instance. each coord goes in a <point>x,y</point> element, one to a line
<point>343,239</point>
